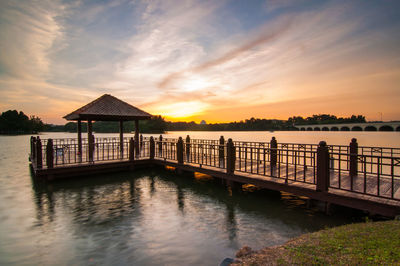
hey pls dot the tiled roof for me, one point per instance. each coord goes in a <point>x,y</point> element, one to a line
<point>108,108</point>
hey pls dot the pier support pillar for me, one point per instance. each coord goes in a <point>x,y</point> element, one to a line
<point>39,162</point>
<point>152,148</point>
<point>49,154</point>
<point>273,152</point>
<point>131,149</point>
<point>179,151</point>
<point>221,152</point>
<point>160,139</point>
<point>322,167</point>
<point>353,147</point>
<point>230,157</point>
<point>121,138</point>
<point>137,150</point>
<point>90,140</point>
<point>187,148</point>
<point>79,129</point>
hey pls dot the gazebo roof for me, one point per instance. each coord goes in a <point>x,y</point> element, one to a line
<point>108,108</point>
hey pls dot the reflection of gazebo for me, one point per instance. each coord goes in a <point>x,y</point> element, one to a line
<point>107,108</point>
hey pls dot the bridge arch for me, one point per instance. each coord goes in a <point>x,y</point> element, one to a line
<point>356,128</point>
<point>370,128</point>
<point>317,129</point>
<point>325,129</point>
<point>386,128</point>
<point>309,129</point>
<point>303,129</point>
<point>334,129</point>
<point>344,128</point>
<point>398,128</point>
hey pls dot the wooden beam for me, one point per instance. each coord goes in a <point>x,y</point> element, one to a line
<point>79,138</point>
<point>137,150</point>
<point>90,140</point>
<point>121,138</point>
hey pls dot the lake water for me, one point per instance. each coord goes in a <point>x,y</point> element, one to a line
<point>150,217</point>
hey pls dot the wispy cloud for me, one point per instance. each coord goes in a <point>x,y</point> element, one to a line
<point>196,58</point>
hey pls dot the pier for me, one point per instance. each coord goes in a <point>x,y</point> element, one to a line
<point>365,178</point>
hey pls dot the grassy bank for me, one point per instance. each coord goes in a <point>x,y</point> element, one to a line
<point>368,243</point>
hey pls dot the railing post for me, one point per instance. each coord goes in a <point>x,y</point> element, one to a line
<point>160,145</point>
<point>49,154</point>
<point>230,157</point>
<point>353,157</point>
<point>39,163</point>
<point>187,147</point>
<point>33,149</point>
<point>131,149</point>
<point>273,152</point>
<point>152,147</point>
<point>91,147</point>
<point>322,167</point>
<point>179,150</point>
<point>221,150</point>
<point>141,141</point>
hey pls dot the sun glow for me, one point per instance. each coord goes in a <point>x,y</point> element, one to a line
<point>181,110</point>
<point>195,83</point>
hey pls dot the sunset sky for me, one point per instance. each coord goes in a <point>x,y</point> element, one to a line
<point>192,60</point>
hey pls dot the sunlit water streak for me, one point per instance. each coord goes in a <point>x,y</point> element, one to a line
<point>148,217</point>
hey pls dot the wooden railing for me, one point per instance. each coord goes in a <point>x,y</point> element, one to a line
<point>373,171</point>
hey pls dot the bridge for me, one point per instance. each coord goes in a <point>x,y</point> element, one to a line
<point>365,178</point>
<point>373,126</point>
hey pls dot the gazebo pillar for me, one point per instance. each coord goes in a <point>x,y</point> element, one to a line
<point>90,140</point>
<point>137,137</point>
<point>121,137</point>
<point>79,138</point>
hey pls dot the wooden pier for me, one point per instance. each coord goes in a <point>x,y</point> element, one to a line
<point>365,178</point>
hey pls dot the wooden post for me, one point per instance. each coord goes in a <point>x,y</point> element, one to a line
<point>137,150</point>
<point>152,147</point>
<point>221,150</point>
<point>141,141</point>
<point>187,148</point>
<point>353,157</point>
<point>49,154</point>
<point>39,163</point>
<point>32,148</point>
<point>34,143</point>
<point>160,146</point>
<point>90,143</point>
<point>131,149</point>
<point>273,152</point>
<point>79,139</point>
<point>121,138</point>
<point>179,150</point>
<point>230,157</point>
<point>322,167</point>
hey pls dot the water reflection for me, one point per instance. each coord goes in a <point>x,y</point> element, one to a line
<point>148,217</point>
<point>180,198</point>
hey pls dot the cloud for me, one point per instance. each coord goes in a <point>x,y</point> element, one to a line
<point>201,55</point>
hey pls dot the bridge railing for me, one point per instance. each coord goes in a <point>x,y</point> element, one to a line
<point>49,153</point>
<point>371,171</point>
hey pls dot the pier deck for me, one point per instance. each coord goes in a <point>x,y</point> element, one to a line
<point>368,180</point>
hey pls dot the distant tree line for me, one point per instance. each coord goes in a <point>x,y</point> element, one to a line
<point>14,122</point>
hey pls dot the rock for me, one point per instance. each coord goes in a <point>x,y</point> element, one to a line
<point>226,262</point>
<point>244,251</point>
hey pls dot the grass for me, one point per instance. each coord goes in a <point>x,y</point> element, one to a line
<point>369,243</point>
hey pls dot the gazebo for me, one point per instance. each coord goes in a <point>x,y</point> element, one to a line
<point>107,108</point>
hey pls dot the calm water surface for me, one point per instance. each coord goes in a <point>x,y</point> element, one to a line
<point>149,217</point>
